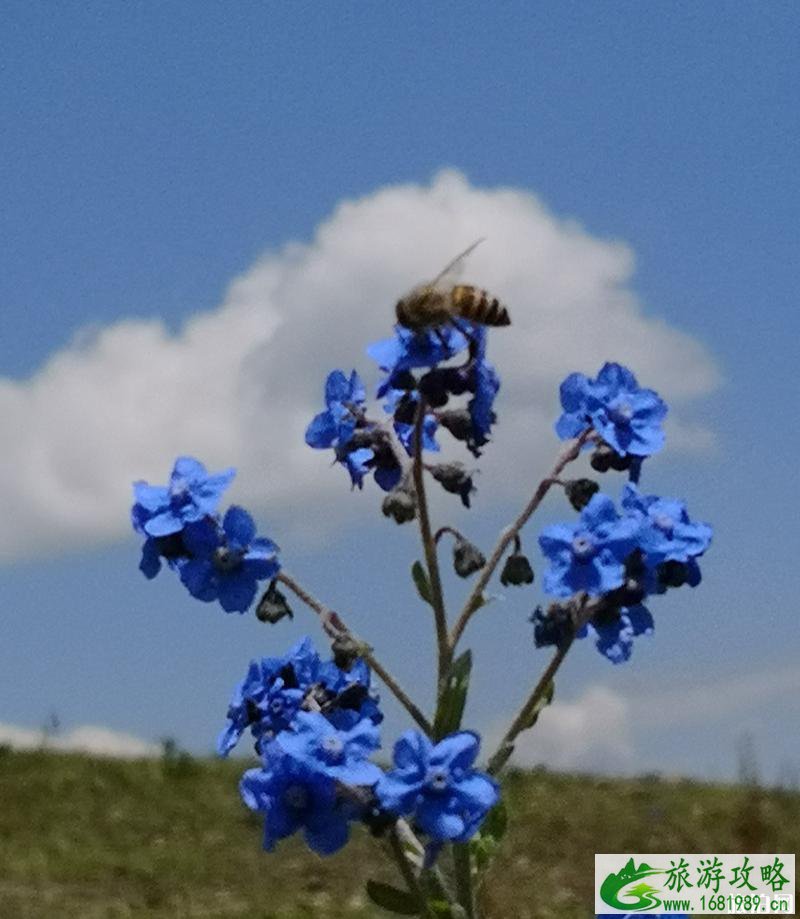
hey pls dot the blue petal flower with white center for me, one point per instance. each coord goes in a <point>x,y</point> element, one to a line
<point>614,637</point>
<point>293,797</point>
<point>192,494</point>
<point>344,399</point>
<point>667,533</point>
<point>226,564</point>
<point>589,555</point>
<point>340,755</point>
<point>269,697</point>
<point>437,786</point>
<point>625,416</point>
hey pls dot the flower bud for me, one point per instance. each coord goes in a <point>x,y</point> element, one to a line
<point>400,504</point>
<point>517,570</point>
<point>453,477</point>
<point>552,627</point>
<point>467,558</point>
<point>432,387</point>
<point>272,607</point>
<point>672,574</point>
<point>361,437</point>
<point>405,410</point>
<point>601,458</point>
<point>579,492</point>
<point>457,421</point>
<point>345,651</point>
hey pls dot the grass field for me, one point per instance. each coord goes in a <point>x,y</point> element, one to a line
<point>84,838</point>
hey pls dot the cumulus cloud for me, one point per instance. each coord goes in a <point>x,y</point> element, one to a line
<point>590,734</point>
<point>91,739</point>
<point>237,385</point>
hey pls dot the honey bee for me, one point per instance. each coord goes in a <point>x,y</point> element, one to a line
<point>441,301</point>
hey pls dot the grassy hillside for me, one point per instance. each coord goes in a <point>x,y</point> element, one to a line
<point>89,838</point>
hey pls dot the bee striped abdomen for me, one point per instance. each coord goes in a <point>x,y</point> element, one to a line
<point>477,306</point>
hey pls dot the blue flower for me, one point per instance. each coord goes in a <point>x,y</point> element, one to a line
<point>438,786</point>
<point>191,495</point>
<point>409,350</point>
<point>293,796</point>
<point>625,416</point>
<point>226,564</point>
<point>171,548</point>
<point>345,404</point>
<point>589,555</point>
<point>341,755</point>
<point>405,434</point>
<point>485,385</point>
<point>667,534</point>
<point>349,697</point>
<point>357,462</point>
<point>269,697</point>
<point>614,634</point>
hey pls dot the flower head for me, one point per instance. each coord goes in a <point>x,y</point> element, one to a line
<point>270,695</point>
<point>436,784</point>
<point>590,554</point>
<point>192,494</point>
<point>226,563</point>
<point>411,350</point>
<point>614,632</point>
<point>293,796</point>
<point>625,416</point>
<point>340,755</point>
<point>667,534</point>
<point>344,399</point>
<point>347,697</point>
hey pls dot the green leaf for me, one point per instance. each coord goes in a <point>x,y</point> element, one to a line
<point>454,697</point>
<point>485,844</point>
<point>544,700</point>
<point>420,577</point>
<point>392,899</point>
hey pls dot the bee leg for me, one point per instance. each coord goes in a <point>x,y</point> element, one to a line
<point>437,331</point>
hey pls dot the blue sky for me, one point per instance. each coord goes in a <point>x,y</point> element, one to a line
<point>152,155</point>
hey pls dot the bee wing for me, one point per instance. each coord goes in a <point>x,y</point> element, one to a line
<point>452,269</point>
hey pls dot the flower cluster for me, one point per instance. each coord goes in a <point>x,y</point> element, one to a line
<point>417,373</point>
<point>216,559</point>
<point>615,559</point>
<point>626,420</point>
<point>315,726</point>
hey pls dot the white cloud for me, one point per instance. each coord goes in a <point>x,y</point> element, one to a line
<point>97,741</point>
<point>590,734</point>
<point>237,385</point>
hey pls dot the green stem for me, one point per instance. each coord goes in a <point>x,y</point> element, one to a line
<point>570,453</point>
<point>335,627</point>
<point>463,876</point>
<point>429,548</point>
<point>407,871</point>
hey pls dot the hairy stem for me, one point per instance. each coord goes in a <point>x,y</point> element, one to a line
<point>334,628</point>
<point>568,455</point>
<point>463,877</point>
<point>407,871</point>
<point>429,548</point>
<point>581,615</point>
<point>506,747</point>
